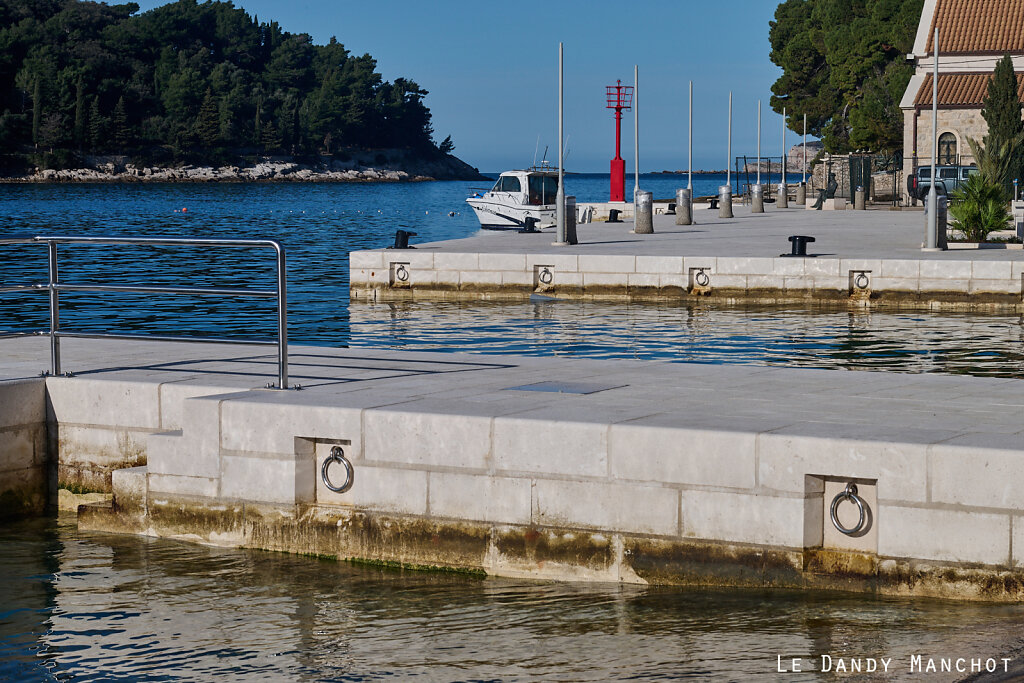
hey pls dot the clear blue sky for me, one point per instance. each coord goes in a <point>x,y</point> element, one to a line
<point>492,71</point>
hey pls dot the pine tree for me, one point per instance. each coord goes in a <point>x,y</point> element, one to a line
<point>120,125</point>
<point>37,111</point>
<point>97,125</point>
<point>1002,112</point>
<point>80,115</point>
<point>270,137</point>
<point>207,128</point>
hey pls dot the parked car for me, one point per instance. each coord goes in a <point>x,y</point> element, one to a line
<point>950,177</point>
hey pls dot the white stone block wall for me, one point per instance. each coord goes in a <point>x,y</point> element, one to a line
<point>936,495</point>
<point>641,274</point>
<point>23,445</point>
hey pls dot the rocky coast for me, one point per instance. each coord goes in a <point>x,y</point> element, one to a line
<point>392,169</point>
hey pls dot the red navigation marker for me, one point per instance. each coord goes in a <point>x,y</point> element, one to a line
<point>619,97</point>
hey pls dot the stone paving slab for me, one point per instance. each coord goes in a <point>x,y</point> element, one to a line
<point>875,233</point>
<point>871,257</point>
<point>890,403</point>
<point>683,454</point>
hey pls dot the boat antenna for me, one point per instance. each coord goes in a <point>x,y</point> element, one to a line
<point>567,150</point>
<point>535,148</point>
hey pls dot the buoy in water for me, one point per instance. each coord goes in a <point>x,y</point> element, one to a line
<point>451,213</point>
<point>184,209</point>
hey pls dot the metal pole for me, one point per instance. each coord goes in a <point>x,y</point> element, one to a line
<point>804,178</point>
<point>560,193</point>
<point>689,180</point>
<point>784,155</point>
<point>759,142</point>
<point>54,311</point>
<point>636,130</point>
<point>282,320</point>
<point>931,239</point>
<point>728,158</point>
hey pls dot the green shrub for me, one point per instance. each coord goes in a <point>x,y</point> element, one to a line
<point>979,207</point>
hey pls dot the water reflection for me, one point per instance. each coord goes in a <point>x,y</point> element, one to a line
<point>78,605</point>
<point>952,343</point>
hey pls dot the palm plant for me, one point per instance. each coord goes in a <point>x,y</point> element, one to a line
<point>995,161</point>
<point>979,207</point>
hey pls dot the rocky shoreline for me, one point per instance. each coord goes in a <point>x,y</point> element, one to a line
<point>120,170</point>
<point>199,174</point>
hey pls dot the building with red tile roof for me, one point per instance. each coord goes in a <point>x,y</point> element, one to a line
<point>973,36</point>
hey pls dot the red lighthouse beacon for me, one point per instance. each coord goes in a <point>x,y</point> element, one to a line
<point>619,97</point>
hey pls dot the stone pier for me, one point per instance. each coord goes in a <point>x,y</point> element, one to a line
<point>551,468</point>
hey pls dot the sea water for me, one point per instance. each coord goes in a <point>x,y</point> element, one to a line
<point>320,223</point>
<point>89,606</point>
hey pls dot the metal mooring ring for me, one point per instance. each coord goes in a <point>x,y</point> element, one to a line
<point>338,455</point>
<point>545,276</point>
<point>701,278</point>
<point>861,281</point>
<point>401,274</point>
<point>850,493</point>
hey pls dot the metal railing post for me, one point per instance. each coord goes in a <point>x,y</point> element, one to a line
<point>282,319</point>
<point>54,287</point>
<point>54,310</point>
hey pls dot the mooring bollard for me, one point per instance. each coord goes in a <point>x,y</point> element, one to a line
<point>570,220</point>
<point>643,213</point>
<point>684,207</point>
<point>801,194</point>
<point>757,199</point>
<point>941,241</point>
<point>783,196</point>
<point>725,201</point>
<point>858,198</point>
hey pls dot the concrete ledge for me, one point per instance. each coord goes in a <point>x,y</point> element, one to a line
<point>25,469</point>
<point>892,282</point>
<point>550,552</point>
<point>634,472</point>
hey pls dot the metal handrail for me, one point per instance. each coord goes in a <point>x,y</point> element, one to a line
<point>54,287</point>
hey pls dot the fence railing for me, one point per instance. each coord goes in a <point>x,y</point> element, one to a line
<point>54,287</point>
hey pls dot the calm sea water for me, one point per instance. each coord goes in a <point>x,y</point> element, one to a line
<point>78,606</point>
<point>320,223</point>
<point>81,606</point>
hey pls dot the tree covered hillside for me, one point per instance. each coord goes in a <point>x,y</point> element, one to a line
<point>843,65</point>
<point>188,81</point>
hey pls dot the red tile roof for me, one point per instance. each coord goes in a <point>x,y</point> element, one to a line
<point>973,26</point>
<point>961,89</point>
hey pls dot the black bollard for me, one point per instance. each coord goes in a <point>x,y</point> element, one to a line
<point>613,216</point>
<point>402,239</point>
<point>530,224</point>
<point>799,245</point>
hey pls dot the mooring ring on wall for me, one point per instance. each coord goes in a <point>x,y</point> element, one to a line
<point>861,281</point>
<point>401,273</point>
<point>337,455</point>
<point>545,276</point>
<point>850,493</point>
<point>701,278</point>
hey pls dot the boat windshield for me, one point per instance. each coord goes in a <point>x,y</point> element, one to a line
<point>507,183</point>
<point>543,189</point>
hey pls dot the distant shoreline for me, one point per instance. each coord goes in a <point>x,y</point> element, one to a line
<point>269,172</point>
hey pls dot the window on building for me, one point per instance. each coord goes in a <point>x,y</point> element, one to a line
<point>947,149</point>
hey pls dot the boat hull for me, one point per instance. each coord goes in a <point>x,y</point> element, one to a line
<point>502,216</point>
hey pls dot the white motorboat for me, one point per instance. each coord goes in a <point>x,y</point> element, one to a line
<point>518,200</point>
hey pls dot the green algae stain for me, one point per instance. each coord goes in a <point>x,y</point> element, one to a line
<point>408,566</point>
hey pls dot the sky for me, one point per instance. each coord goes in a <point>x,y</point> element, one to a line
<point>491,69</point>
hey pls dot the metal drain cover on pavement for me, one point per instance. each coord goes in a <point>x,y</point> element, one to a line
<point>567,387</point>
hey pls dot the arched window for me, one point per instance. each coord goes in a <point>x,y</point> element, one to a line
<point>947,149</point>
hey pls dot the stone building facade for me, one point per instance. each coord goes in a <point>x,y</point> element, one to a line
<point>973,36</point>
